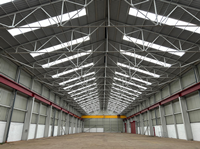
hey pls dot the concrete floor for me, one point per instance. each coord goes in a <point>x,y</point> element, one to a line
<point>103,141</point>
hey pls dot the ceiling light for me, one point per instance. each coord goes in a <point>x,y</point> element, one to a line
<point>164,64</point>
<point>133,78</point>
<point>139,70</point>
<point>56,62</point>
<point>72,70</point>
<point>46,22</point>
<point>126,82</point>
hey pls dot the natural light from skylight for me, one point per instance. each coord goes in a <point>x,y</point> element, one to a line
<point>72,70</point>
<point>139,70</point>
<point>154,46</point>
<point>47,22</point>
<point>165,20</point>
<point>61,46</point>
<point>151,60</point>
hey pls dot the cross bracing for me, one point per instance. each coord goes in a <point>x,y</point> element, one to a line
<point>61,42</point>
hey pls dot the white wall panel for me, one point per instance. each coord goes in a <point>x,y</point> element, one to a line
<point>196,131</point>
<point>158,131</point>
<point>138,130</point>
<point>32,131</point>
<point>2,129</point>
<point>70,132</point>
<point>171,131</point>
<point>50,130</point>
<point>146,130</point>
<point>86,129</point>
<point>15,133</point>
<point>93,130</point>
<point>181,131</point>
<point>74,130</point>
<point>40,131</point>
<point>55,131</point>
<point>100,130</point>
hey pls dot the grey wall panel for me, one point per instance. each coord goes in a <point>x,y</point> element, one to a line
<point>168,109</point>
<point>37,87</point>
<point>18,116</point>
<point>158,96</point>
<point>45,92</point>
<point>7,68</point>
<point>20,102</point>
<point>193,101</point>
<point>188,79</point>
<point>25,79</point>
<point>165,92</point>
<point>175,87</point>
<point>6,96</point>
<point>176,107</point>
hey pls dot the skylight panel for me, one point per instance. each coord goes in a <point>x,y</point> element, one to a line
<point>72,70</point>
<point>127,88</point>
<point>94,98</point>
<point>118,100</point>
<point>74,79</point>
<point>121,95</point>
<point>79,83</point>
<point>153,45</point>
<point>133,84</point>
<point>164,64</point>
<point>83,92</point>
<point>46,22</point>
<point>124,91</point>
<point>82,88</point>
<point>117,96</point>
<point>91,94</point>
<point>133,78</point>
<point>61,46</point>
<point>5,1</point>
<point>48,65</point>
<point>167,20</point>
<point>139,70</point>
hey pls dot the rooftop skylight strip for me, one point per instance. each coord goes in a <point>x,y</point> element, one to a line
<point>118,100</point>
<point>118,96</point>
<point>93,98</point>
<point>124,91</point>
<point>121,95</point>
<point>133,84</point>
<point>88,95</point>
<point>133,78</point>
<point>61,46</point>
<point>74,79</point>
<point>83,92</point>
<point>165,20</point>
<point>72,70</point>
<point>56,62</point>
<point>139,70</point>
<point>164,64</point>
<point>79,89</point>
<point>5,1</point>
<point>127,88</point>
<point>79,83</point>
<point>154,46</point>
<point>46,22</point>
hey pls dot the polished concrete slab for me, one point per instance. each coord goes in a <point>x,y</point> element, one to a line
<point>103,141</point>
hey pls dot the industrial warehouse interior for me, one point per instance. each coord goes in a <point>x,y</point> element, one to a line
<point>109,74</point>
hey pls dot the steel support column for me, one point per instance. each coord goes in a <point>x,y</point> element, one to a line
<point>163,122</point>
<point>59,123</point>
<point>186,120</point>
<point>48,121</point>
<point>150,123</point>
